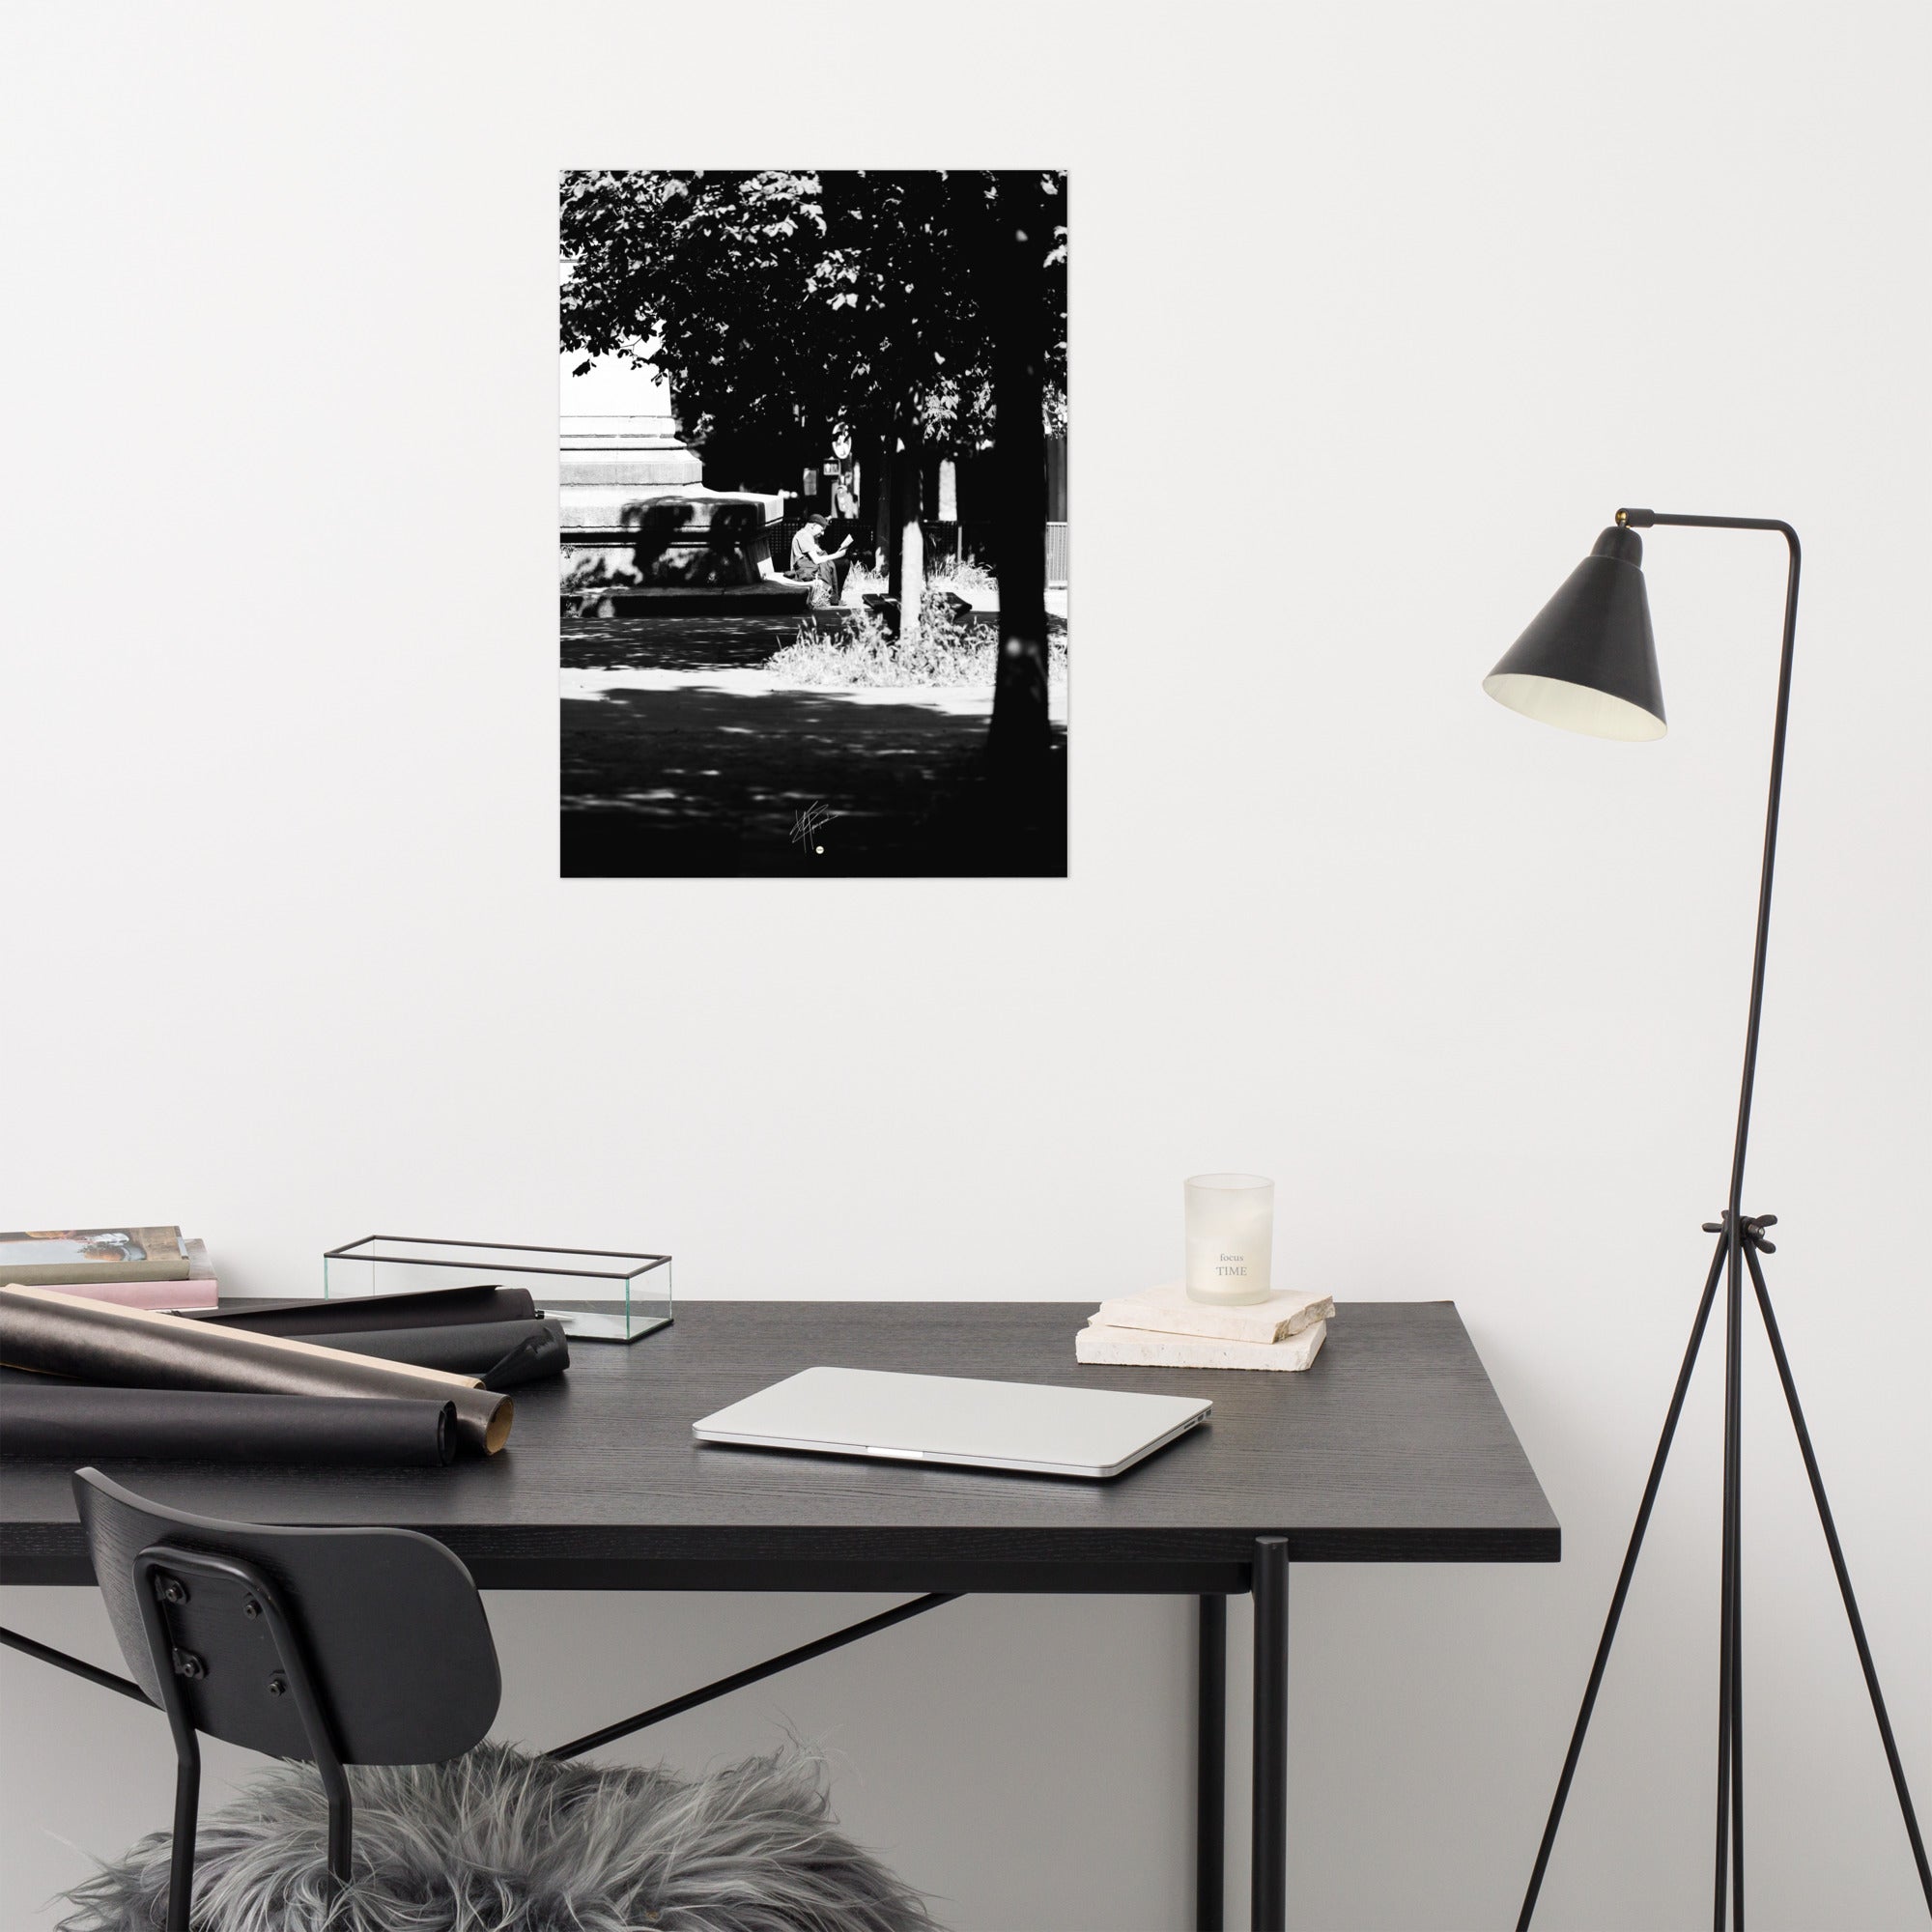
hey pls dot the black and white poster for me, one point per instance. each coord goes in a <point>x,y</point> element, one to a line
<point>814,530</point>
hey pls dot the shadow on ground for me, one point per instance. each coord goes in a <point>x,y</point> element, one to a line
<point>675,643</point>
<point>700,781</point>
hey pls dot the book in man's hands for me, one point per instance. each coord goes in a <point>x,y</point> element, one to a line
<point>62,1256</point>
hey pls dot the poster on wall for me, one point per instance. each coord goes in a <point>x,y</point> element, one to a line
<point>812,523</point>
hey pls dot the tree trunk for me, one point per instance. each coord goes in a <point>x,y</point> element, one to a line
<point>1020,736</point>
<point>882,509</point>
<point>909,540</point>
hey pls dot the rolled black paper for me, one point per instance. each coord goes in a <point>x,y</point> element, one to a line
<point>138,1348</point>
<point>69,1423</point>
<point>465,1348</point>
<point>524,1363</point>
<point>363,1313</point>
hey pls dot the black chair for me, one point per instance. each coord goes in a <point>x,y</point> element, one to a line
<point>329,1646</point>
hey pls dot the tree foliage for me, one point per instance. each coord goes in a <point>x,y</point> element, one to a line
<point>919,311</point>
<point>786,304</point>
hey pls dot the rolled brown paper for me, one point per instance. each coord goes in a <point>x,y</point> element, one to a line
<point>72,1423</point>
<point>138,1348</point>
<point>362,1313</point>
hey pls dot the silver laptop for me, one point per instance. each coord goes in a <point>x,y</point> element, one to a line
<point>1045,1431</point>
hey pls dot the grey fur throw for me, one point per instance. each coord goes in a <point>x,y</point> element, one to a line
<point>496,1841</point>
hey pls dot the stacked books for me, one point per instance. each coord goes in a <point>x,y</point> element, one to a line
<point>1162,1328</point>
<point>132,1268</point>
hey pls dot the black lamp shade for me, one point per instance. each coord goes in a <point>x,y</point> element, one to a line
<point>1588,661</point>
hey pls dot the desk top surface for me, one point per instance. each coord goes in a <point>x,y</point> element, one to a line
<point>1391,1447</point>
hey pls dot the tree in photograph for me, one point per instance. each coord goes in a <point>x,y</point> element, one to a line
<point>780,305</point>
<point>708,278</point>
<point>902,272</point>
<point>1024,278</point>
<point>783,306</point>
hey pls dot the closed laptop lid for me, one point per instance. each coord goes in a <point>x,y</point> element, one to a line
<point>954,1419</point>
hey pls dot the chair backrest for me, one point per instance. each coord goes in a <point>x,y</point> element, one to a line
<point>390,1629</point>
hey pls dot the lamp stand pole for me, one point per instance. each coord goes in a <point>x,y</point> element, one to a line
<point>1741,1239</point>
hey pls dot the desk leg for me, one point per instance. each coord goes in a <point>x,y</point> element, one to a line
<point>1210,1767</point>
<point>1269,1893</point>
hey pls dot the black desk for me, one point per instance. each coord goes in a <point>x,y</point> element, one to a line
<point>1391,1448</point>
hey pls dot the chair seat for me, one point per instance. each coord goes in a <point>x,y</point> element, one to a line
<point>498,1842</point>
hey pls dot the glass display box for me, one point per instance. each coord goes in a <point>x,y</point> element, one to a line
<point>598,1295</point>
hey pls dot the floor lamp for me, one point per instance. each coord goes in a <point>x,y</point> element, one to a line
<point>1588,662</point>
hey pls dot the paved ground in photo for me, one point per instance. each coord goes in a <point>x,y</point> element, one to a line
<point>682,757</point>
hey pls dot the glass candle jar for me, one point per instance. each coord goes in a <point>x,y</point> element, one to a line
<point>1230,1237</point>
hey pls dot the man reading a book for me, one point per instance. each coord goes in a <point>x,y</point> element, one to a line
<point>816,565</point>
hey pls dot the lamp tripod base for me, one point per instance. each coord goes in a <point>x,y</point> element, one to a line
<point>1741,1241</point>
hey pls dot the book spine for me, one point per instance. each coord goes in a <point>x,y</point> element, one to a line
<point>1124,1348</point>
<point>202,1293</point>
<point>70,1275</point>
<point>1258,1327</point>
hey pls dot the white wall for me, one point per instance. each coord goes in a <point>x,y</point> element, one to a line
<point>1433,290</point>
